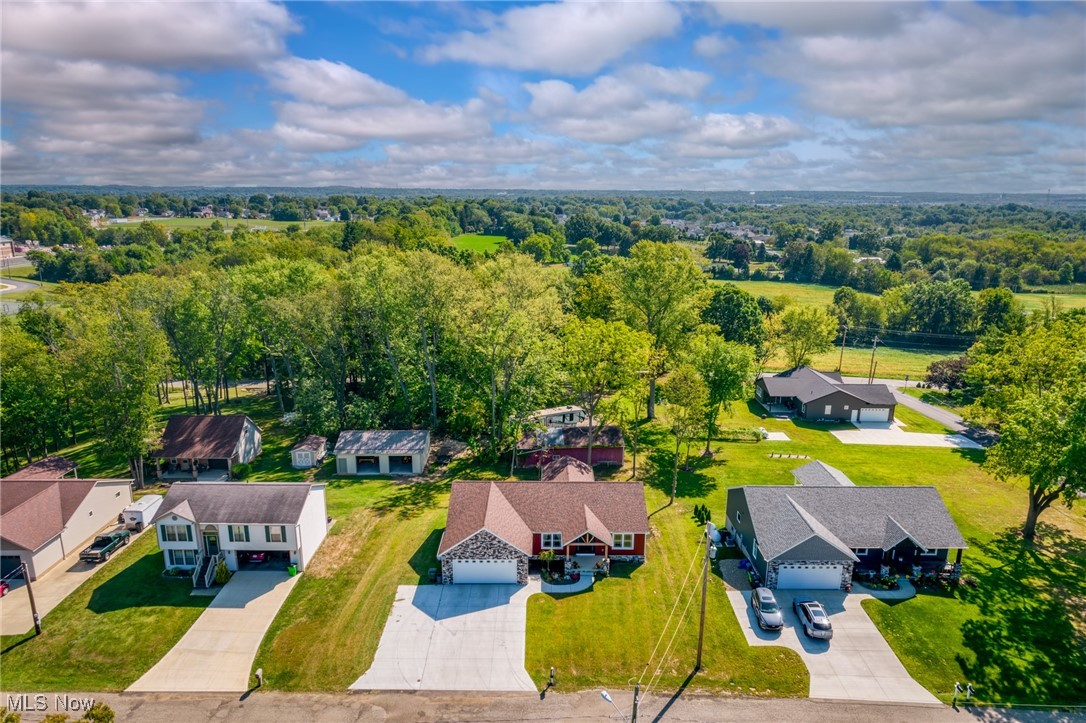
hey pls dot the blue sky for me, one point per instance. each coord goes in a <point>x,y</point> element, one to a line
<point>578,95</point>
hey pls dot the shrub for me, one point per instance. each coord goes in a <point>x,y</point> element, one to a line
<point>222,573</point>
<point>241,471</point>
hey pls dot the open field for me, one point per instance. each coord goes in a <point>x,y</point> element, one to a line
<point>478,244</point>
<point>817,294</point>
<point>30,274</point>
<point>892,363</point>
<point>107,633</point>
<point>934,396</point>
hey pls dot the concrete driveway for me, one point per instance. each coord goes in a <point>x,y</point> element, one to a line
<point>894,436</point>
<point>453,637</point>
<point>49,590</point>
<point>857,664</point>
<point>216,654</point>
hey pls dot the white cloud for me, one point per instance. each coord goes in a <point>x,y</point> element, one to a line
<point>312,127</point>
<point>569,38</point>
<point>487,151</point>
<point>711,46</point>
<point>727,135</point>
<point>680,82</point>
<point>332,84</point>
<point>159,34</point>
<point>818,17</point>
<point>961,65</point>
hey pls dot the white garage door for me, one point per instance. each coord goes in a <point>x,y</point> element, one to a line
<point>484,571</point>
<point>875,414</point>
<point>809,577</point>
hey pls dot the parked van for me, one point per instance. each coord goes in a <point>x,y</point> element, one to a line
<point>140,513</point>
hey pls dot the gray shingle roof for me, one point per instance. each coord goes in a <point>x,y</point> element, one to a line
<point>383,441</point>
<point>807,385</point>
<point>877,517</point>
<point>570,438</point>
<point>239,503</point>
<point>820,474</point>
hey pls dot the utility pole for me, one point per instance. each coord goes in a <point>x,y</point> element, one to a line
<point>844,335</point>
<point>30,594</point>
<point>704,593</point>
<point>637,694</point>
<point>871,373</point>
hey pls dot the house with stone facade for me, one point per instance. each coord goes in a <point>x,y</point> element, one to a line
<point>815,536</point>
<point>495,528</point>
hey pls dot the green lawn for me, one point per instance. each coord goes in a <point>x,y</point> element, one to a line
<point>26,273</point>
<point>936,397</point>
<point>478,244</point>
<point>914,421</point>
<point>606,635</point>
<point>107,633</point>
<point>386,535</point>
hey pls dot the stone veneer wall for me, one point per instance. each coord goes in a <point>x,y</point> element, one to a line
<point>846,570</point>
<point>484,546</point>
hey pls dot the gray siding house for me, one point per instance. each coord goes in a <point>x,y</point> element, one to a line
<point>815,536</point>
<point>814,395</point>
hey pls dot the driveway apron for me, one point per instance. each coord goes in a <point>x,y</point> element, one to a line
<point>216,654</point>
<point>858,664</point>
<point>453,637</point>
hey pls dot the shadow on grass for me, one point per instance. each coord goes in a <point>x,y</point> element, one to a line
<point>1029,643</point>
<point>675,697</point>
<point>693,482</point>
<point>425,557</point>
<point>412,498</point>
<point>822,426</point>
<point>29,636</point>
<point>141,585</point>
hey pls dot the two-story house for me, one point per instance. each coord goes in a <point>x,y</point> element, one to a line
<point>269,523</point>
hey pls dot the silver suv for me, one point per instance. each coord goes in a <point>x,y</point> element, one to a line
<point>813,617</point>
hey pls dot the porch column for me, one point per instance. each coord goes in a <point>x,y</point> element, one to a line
<point>230,468</point>
<point>158,469</point>
<point>192,468</point>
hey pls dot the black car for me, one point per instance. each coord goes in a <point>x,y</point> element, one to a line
<point>813,617</point>
<point>766,610</point>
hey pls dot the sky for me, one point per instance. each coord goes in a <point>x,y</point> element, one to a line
<point>851,96</point>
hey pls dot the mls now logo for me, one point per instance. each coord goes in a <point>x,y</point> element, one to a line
<point>40,703</point>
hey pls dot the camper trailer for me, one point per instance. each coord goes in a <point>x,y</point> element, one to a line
<point>140,513</point>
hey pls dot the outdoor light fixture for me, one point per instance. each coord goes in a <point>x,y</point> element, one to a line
<point>607,697</point>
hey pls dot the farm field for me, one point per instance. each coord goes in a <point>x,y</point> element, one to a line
<point>892,363</point>
<point>477,243</point>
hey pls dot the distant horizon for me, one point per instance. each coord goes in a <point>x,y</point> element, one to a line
<point>601,96</point>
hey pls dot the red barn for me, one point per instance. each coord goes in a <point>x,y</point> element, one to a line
<point>538,447</point>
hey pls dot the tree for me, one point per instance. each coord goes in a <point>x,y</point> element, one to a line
<point>662,291</point>
<point>1043,438</point>
<point>998,309</point>
<point>582,225</point>
<point>726,368</point>
<point>631,405</point>
<point>736,314</point>
<point>948,373</point>
<point>805,331</point>
<point>118,357</point>
<point>688,397</point>
<point>829,230</point>
<point>601,358</point>
<point>538,246</point>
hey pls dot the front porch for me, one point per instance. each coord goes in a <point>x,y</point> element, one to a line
<point>200,470</point>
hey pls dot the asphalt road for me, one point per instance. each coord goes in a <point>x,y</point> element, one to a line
<point>586,706</point>
<point>10,286</point>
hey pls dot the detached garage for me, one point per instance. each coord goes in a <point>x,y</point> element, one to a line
<point>382,451</point>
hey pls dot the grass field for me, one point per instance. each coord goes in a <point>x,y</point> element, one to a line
<point>934,396</point>
<point>478,244</point>
<point>26,273</point>
<point>107,633</point>
<point>892,363</point>
<point>816,294</point>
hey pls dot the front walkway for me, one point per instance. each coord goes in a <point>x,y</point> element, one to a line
<point>50,589</point>
<point>454,637</point>
<point>216,654</point>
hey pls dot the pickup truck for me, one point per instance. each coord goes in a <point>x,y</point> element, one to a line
<point>104,546</point>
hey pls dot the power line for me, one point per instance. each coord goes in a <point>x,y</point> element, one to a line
<point>673,607</point>
<point>658,674</point>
